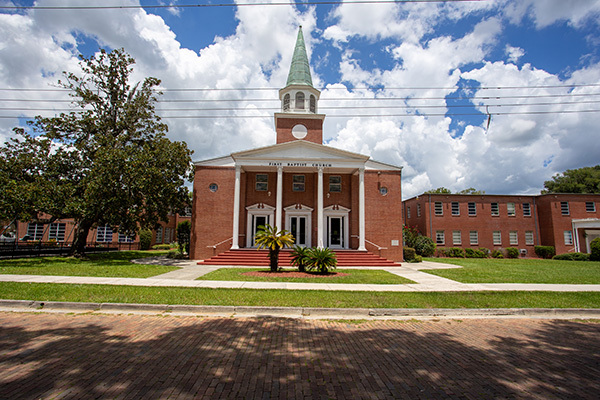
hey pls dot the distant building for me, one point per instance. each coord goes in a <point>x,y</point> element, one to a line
<point>569,222</point>
<point>324,196</point>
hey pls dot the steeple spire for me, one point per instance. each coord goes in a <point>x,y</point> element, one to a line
<point>300,68</point>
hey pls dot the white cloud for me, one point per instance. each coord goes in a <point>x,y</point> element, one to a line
<point>547,12</point>
<point>514,53</point>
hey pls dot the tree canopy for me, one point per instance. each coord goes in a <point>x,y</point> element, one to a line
<point>580,180</point>
<point>108,162</point>
<point>443,190</point>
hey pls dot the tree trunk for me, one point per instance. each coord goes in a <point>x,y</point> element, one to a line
<point>80,240</point>
<point>274,259</point>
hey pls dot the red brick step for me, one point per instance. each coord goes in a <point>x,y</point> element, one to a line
<point>253,257</point>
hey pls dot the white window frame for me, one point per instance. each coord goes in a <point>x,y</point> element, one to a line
<point>335,187</point>
<point>527,209</point>
<point>590,206</point>
<point>159,234</point>
<point>495,209</point>
<point>568,236</point>
<point>258,185</point>
<point>298,183</point>
<point>35,230</point>
<point>455,208</point>
<point>407,212</point>
<point>497,238</point>
<point>456,238</point>
<point>513,238</point>
<point>438,208</point>
<point>103,233</point>
<point>440,237</point>
<point>564,208</point>
<point>472,207</point>
<point>473,238</point>
<point>57,231</point>
<point>418,210</point>
<point>123,238</point>
<point>511,209</point>
<point>529,240</point>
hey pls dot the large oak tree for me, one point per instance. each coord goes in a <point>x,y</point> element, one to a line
<point>106,162</point>
<point>580,180</point>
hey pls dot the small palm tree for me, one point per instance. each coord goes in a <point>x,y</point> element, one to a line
<point>300,257</point>
<point>321,259</point>
<point>268,237</point>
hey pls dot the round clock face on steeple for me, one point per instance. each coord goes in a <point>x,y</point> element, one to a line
<point>299,131</point>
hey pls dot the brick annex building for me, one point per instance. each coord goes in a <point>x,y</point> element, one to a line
<point>324,196</point>
<point>569,222</point>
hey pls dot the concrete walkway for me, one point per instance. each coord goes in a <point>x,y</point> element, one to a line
<point>185,277</point>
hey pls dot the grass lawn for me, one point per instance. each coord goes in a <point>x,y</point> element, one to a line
<point>489,270</point>
<point>354,276</point>
<point>295,298</point>
<point>110,264</point>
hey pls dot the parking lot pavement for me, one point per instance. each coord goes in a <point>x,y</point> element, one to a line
<point>45,356</point>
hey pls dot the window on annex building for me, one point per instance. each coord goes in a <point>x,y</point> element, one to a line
<point>473,237</point>
<point>526,210</point>
<point>529,238</point>
<point>35,231</point>
<point>313,104</point>
<point>408,212</point>
<point>262,182</point>
<point>57,231</point>
<point>299,101</point>
<point>495,209</point>
<point>440,237</point>
<point>456,238</point>
<point>455,208</point>
<point>335,184</point>
<point>513,238</point>
<point>159,234</point>
<point>298,183</point>
<point>564,208</point>
<point>418,210</point>
<point>497,238</point>
<point>438,208</point>
<point>104,234</point>
<point>590,206</point>
<point>123,238</point>
<point>568,237</point>
<point>472,208</point>
<point>510,209</point>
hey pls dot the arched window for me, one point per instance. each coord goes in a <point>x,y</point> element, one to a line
<point>299,101</point>
<point>286,102</point>
<point>313,104</point>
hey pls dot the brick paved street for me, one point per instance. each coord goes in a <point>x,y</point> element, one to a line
<point>132,357</point>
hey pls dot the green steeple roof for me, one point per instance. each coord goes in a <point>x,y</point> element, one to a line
<point>300,68</point>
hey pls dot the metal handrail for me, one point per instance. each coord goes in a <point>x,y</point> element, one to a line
<point>371,243</point>
<point>214,246</point>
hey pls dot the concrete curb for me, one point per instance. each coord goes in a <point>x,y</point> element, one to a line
<point>297,312</point>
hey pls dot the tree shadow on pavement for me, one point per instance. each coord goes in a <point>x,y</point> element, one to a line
<point>93,356</point>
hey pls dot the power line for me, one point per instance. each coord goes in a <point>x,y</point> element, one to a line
<point>261,4</point>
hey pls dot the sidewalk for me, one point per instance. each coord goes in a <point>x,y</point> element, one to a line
<point>185,277</point>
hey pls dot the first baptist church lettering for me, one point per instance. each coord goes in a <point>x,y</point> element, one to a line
<point>324,196</point>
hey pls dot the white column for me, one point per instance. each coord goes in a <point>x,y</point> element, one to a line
<point>361,209</point>
<point>320,209</point>
<point>236,209</point>
<point>279,204</point>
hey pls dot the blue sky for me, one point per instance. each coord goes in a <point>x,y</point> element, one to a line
<point>410,66</point>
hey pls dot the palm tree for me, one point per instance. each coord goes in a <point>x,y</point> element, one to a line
<point>321,259</point>
<point>300,257</point>
<point>268,237</point>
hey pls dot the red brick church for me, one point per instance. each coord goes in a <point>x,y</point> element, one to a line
<point>324,196</point>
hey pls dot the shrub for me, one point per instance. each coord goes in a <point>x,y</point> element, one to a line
<point>321,259</point>
<point>176,254</point>
<point>485,251</point>
<point>409,254</point>
<point>595,246</point>
<point>497,254</point>
<point>457,252</point>
<point>572,257</point>
<point>512,252</point>
<point>418,259</point>
<point>161,247</point>
<point>472,253</point>
<point>424,246</point>
<point>544,251</point>
<point>145,239</point>
<point>300,257</point>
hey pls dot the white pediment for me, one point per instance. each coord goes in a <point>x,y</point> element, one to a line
<point>299,151</point>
